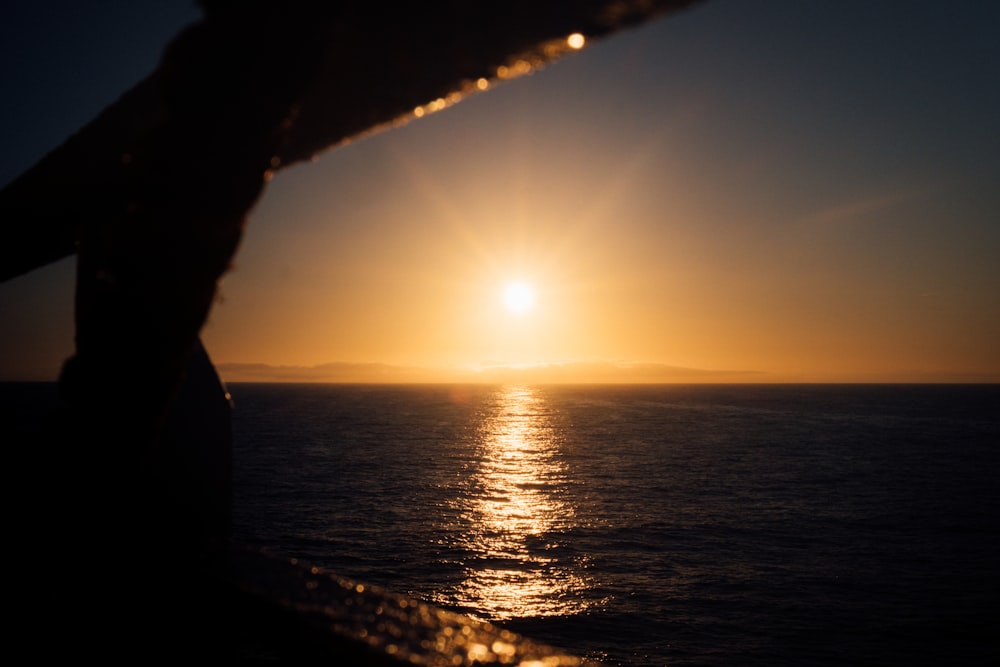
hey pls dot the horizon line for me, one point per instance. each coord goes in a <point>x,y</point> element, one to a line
<point>577,372</point>
<point>572,372</point>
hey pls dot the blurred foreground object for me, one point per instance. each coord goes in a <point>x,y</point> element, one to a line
<point>132,555</point>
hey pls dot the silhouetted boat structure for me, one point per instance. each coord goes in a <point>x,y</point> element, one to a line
<point>124,520</point>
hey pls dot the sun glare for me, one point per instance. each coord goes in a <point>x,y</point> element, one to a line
<point>518,297</point>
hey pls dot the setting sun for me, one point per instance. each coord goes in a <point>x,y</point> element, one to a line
<point>518,297</point>
<point>610,218</point>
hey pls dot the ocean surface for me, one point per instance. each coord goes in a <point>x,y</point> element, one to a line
<point>650,525</point>
<point>643,526</point>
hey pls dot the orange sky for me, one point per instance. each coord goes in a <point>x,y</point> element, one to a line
<point>724,190</point>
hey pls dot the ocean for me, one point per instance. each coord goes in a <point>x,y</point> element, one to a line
<point>646,526</point>
<point>641,526</point>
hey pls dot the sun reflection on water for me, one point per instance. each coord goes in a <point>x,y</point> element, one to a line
<point>514,515</point>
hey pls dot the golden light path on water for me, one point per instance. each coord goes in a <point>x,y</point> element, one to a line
<point>513,516</point>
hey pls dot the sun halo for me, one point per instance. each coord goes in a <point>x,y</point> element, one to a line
<point>518,297</point>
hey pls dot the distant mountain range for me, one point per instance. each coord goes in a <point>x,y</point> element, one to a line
<point>575,372</point>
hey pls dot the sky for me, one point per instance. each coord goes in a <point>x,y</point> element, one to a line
<point>746,191</point>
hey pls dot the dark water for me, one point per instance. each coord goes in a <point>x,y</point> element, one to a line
<point>650,525</point>
<point>647,525</point>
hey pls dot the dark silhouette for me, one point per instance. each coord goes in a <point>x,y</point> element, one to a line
<point>127,529</point>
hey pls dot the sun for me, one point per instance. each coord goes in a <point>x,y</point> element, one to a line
<point>518,297</point>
